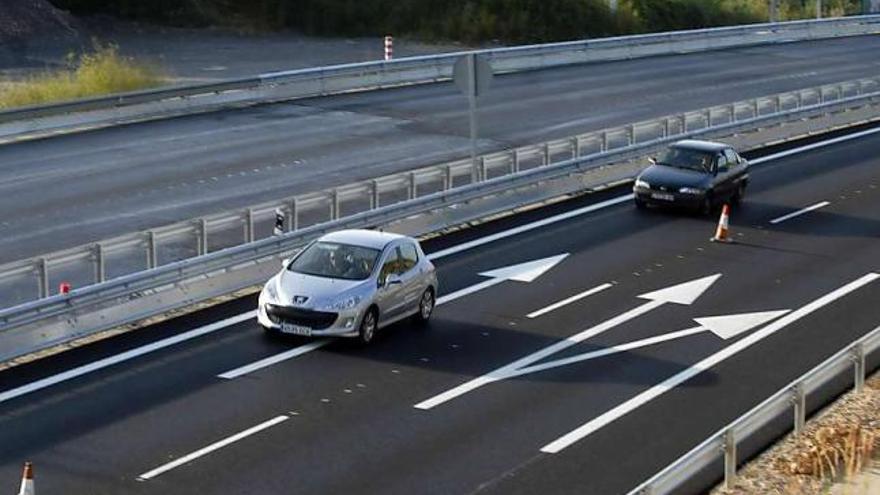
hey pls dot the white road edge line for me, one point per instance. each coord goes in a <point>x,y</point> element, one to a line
<point>211,448</point>
<point>82,370</point>
<point>670,383</point>
<point>821,204</point>
<point>272,360</point>
<point>125,356</point>
<point>565,302</point>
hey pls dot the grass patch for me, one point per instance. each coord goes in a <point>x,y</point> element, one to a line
<point>101,72</point>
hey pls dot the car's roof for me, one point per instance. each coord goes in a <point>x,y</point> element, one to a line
<point>366,238</point>
<point>696,144</point>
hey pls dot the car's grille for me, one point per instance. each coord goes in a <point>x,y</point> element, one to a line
<point>317,320</point>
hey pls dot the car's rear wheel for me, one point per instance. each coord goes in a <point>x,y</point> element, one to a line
<point>426,306</point>
<point>367,330</point>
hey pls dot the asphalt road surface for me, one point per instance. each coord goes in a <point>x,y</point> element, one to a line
<point>69,190</point>
<point>574,379</point>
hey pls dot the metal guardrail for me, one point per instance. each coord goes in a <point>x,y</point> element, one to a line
<point>321,81</point>
<point>34,278</point>
<point>58,319</point>
<point>791,398</point>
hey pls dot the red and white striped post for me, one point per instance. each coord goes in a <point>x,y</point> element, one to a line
<point>389,47</point>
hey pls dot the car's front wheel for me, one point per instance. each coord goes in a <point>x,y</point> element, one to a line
<point>426,306</point>
<point>367,330</point>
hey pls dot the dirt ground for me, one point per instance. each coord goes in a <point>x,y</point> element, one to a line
<point>790,467</point>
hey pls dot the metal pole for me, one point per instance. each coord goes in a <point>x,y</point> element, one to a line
<point>818,9</point>
<point>43,271</point>
<point>249,225</point>
<point>99,264</point>
<point>858,357</point>
<point>472,104</point>
<point>799,398</point>
<point>729,459</point>
<point>152,255</point>
<point>203,237</point>
<point>294,218</point>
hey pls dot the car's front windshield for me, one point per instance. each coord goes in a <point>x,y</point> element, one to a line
<point>700,161</point>
<point>332,260</point>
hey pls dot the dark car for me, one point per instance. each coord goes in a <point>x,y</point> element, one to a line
<point>697,175</point>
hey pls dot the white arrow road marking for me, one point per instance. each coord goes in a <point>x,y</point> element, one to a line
<point>725,327</point>
<point>684,293</point>
<point>522,272</point>
<point>211,448</point>
<point>800,212</point>
<point>707,363</point>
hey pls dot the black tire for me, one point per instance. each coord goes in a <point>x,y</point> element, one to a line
<point>368,327</point>
<point>426,306</point>
<point>706,207</point>
<point>740,193</point>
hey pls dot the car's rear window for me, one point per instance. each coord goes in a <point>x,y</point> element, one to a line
<point>333,260</point>
<point>700,161</point>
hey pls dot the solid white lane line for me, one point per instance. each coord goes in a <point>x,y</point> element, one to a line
<point>505,371</point>
<point>271,360</point>
<point>211,448</point>
<point>565,302</point>
<point>707,363</point>
<point>607,351</point>
<point>529,226</point>
<point>800,212</point>
<point>125,356</point>
<point>813,146</point>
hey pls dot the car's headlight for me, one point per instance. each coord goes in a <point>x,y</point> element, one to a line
<point>347,303</point>
<point>691,190</point>
<point>269,291</point>
<point>641,184</point>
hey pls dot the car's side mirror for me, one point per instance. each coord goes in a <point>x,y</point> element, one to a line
<point>652,160</point>
<point>285,262</point>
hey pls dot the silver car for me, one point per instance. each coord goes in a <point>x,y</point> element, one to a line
<point>349,284</point>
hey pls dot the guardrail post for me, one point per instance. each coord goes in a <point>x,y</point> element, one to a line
<point>858,358</point>
<point>756,108</point>
<point>575,148</point>
<point>800,99</point>
<point>631,134</point>
<point>43,276</point>
<point>545,160</point>
<point>249,225</point>
<point>152,255</point>
<point>99,263</point>
<point>684,123</point>
<point>732,112</point>
<point>374,191</point>
<point>412,190</point>
<point>514,159</point>
<point>202,235</point>
<point>334,205</point>
<point>604,145</point>
<point>799,400</point>
<point>708,116</point>
<point>293,221</point>
<point>777,102</point>
<point>729,459</point>
<point>666,128</point>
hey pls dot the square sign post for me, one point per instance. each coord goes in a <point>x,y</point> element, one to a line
<point>472,75</point>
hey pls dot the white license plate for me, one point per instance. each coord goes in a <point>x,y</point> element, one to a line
<point>662,196</point>
<point>292,329</point>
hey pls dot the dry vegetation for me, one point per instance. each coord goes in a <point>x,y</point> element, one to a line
<point>838,443</point>
<point>104,71</point>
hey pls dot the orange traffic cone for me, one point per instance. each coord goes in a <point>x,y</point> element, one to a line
<point>722,234</point>
<point>27,480</point>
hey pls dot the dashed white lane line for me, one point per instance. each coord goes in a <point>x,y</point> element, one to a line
<point>125,356</point>
<point>211,448</point>
<point>271,360</point>
<point>800,212</point>
<point>565,302</point>
<point>648,395</point>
